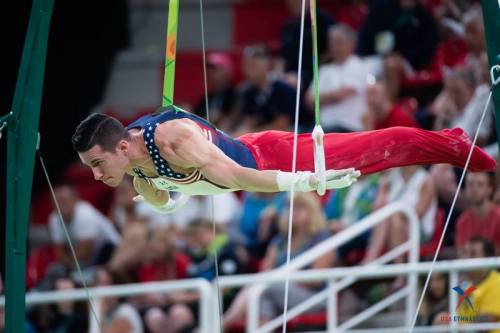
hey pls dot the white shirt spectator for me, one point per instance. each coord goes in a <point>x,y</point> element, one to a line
<point>226,208</point>
<point>87,223</point>
<point>129,313</point>
<point>469,118</point>
<point>409,192</point>
<point>348,112</point>
<point>125,311</point>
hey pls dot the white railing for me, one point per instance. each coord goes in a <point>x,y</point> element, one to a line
<point>452,267</point>
<point>336,279</point>
<point>412,246</point>
<point>203,287</point>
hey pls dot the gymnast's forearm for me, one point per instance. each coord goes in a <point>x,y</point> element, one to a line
<point>241,178</point>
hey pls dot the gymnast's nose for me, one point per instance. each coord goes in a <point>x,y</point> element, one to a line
<point>97,173</point>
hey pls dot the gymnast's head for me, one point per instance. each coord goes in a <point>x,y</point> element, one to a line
<point>103,143</point>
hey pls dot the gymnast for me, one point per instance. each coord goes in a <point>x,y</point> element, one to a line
<point>176,151</point>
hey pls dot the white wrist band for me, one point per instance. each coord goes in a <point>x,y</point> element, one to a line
<point>300,181</point>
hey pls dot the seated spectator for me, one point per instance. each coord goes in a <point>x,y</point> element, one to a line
<point>401,27</point>
<point>342,84</point>
<point>61,317</point>
<point>125,211</point>
<point>265,103</point>
<point>404,32</point>
<point>349,205</point>
<point>255,227</point>
<point>221,93</point>
<point>475,40</point>
<point>382,112</point>
<point>461,104</point>
<point>290,40</point>
<point>308,229</point>
<point>202,245</point>
<point>221,209</point>
<point>164,263</point>
<point>445,179</point>
<point>482,217</point>
<point>91,233</point>
<point>116,315</point>
<point>486,296</point>
<point>413,186</point>
<point>134,220</point>
<point>435,300</point>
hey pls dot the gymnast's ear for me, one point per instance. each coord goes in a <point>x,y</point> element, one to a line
<point>123,146</point>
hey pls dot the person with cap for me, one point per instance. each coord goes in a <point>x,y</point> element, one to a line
<point>221,97</point>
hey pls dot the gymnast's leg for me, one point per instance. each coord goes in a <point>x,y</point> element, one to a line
<point>369,151</point>
<point>375,151</point>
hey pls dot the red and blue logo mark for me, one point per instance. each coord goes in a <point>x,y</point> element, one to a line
<point>464,295</point>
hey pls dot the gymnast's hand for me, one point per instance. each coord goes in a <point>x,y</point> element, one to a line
<point>150,193</point>
<point>306,181</point>
<point>338,178</point>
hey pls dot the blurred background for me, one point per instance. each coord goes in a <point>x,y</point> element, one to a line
<point>383,63</point>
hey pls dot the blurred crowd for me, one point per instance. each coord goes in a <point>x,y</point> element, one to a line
<point>407,63</point>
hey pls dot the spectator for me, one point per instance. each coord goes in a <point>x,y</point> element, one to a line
<point>265,103</point>
<point>486,296</point>
<point>405,33</point>
<point>254,228</point>
<point>435,300</point>
<point>117,316</point>
<point>403,28</point>
<point>125,211</point>
<point>309,229</point>
<point>202,245</point>
<point>134,220</point>
<point>382,112</point>
<point>474,39</point>
<point>342,84</point>
<point>482,218</point>
<point>221,93</point>
<point>221,209</point>
<point>290,40</point>
<point>414,186</point>
<point>460,104</point>
<point>164,263</point>
<point>162,260</point>
<point>349,205</point>
<point>91,233</point>
<point>62,317</point>
<point>69,316</point>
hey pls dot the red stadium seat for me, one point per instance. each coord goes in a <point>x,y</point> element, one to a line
<point>37,263</point>
<point>98,194</point>
<point>428,250</point>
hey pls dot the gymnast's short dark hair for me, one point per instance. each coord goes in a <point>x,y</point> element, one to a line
<point>99,129</point>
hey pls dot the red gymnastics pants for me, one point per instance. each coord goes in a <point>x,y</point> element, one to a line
<point>369,151</point>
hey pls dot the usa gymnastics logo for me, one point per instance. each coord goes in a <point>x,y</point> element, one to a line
<point>465,292</point>
<point>464,295</point>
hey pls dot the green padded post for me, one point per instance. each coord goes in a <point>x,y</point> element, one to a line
<point>22,137</point>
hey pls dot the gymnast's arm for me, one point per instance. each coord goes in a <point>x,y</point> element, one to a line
<point>183,143</point>
<point>149,193</point>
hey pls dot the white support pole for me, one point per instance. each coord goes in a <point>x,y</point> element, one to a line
<point>332,311</point>
<point>453,281</point>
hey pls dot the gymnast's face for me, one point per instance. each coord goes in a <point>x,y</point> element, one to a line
<point>107,166</point>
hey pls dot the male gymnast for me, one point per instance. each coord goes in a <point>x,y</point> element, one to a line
<point>173,150</point>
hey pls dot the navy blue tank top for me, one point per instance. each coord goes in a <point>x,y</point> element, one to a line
<point>232,148</point>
